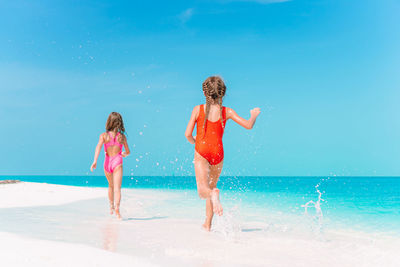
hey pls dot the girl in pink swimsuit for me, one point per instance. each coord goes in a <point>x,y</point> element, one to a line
<point>113,140</point>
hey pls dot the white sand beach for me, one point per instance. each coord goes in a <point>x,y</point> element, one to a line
<point>22,251</point>
<point>54,225</point>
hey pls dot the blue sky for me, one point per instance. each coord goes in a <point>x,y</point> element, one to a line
<point>324,73</point>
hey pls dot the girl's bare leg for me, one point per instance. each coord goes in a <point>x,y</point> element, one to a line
<point>109,177</point>
<point>202,169</point>
<point>209,215</point>
<point>215,172</point>
<point>117,189</point>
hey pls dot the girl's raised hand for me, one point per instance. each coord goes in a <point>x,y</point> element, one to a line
<point>248,124</point>
<point>255,112</point>
<point>94,165</point>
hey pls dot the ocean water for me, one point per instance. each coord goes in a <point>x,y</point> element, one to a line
<point>282,204</point>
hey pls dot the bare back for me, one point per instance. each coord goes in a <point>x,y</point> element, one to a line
<point>215,113</point>
<point>112,149</point>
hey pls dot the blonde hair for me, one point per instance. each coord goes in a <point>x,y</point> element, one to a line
<point>114,121</point>
<point>214,90</point>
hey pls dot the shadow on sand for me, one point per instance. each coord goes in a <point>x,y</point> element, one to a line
<point>252,230</point>
<point>146,219</point>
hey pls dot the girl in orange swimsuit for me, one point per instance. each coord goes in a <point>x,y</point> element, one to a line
<point>211,119</point>
<point>113,140</point>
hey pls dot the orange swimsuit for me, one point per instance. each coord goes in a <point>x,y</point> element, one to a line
<point>209,144</point>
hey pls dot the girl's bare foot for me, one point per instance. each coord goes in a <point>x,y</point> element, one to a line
<point>111,209</point>
<point>207,225</point>
<point>118,214</point>
<point>217,207</point>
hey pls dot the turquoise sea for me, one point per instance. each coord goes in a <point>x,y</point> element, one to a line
<point>370,204</point>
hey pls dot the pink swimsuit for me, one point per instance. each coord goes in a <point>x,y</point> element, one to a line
<point>110,163</point>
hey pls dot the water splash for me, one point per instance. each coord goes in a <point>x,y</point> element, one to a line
<point>317,206</point>
<point>229,224</point>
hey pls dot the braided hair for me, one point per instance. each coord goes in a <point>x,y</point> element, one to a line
<point>214,89</point>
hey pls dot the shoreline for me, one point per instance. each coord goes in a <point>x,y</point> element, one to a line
<point>9,181</point>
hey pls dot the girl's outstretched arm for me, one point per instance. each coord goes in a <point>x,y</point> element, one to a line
<point>97,152</point>
<point>190,126</point>
<point>127,151</point>
<point>248,124</point>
